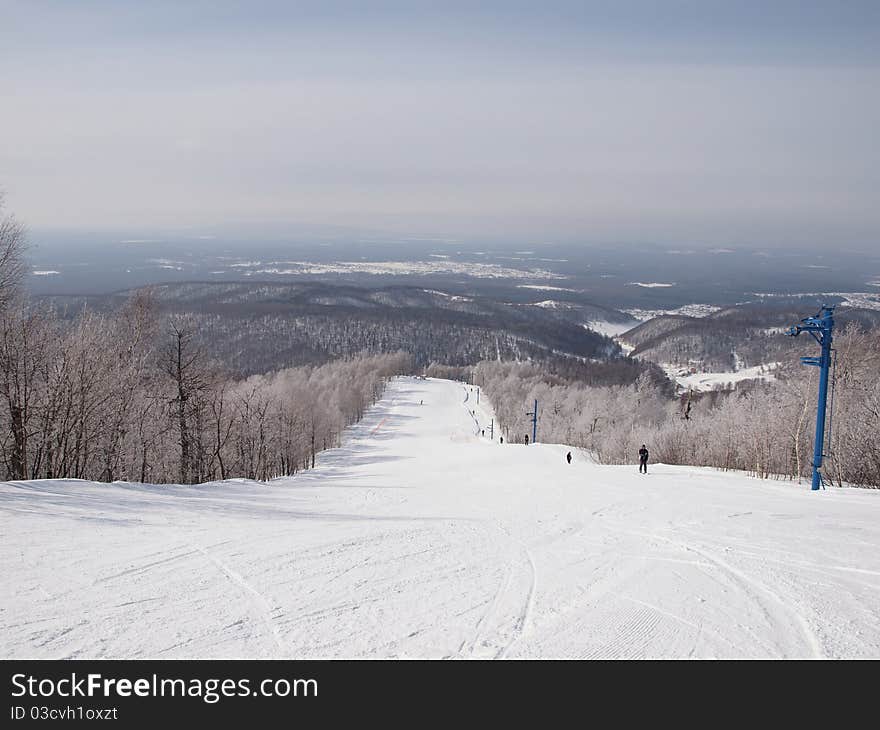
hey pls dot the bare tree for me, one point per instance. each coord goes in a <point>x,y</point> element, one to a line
<point>12,267</point>
<point>23,353</point>
<point>184,362</point>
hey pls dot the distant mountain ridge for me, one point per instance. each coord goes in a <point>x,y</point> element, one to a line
<point>260,326</point>
<point>744,336</point>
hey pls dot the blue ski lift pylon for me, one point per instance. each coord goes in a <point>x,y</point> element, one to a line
<point>820,329</point>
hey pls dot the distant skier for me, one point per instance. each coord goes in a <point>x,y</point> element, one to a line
<point>501,440</point>
<point>568,457</point>
<point>643,459</point>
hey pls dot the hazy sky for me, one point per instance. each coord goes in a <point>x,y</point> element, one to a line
<point>700,122</point>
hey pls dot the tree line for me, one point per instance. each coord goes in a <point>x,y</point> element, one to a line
<point>134,395</point>
<point>253,327</point>
<point>766,429</point>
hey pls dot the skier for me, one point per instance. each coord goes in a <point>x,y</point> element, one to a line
<point>502,439</point>
<point>568,457</point>
<point>643,459</point>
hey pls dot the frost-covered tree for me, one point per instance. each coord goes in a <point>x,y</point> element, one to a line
<point>12,267</point>
<point>765,429</point>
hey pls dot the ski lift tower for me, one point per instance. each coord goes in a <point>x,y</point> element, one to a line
<point>534,415</point>
<point>819,328</point>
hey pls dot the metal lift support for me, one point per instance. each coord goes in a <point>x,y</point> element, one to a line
<point>534,415</point>
<point>819,328</point>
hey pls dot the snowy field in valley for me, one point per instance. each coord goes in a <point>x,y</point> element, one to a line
<point>704,382</point>
<point>421,538</point>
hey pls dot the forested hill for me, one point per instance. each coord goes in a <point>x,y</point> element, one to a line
<point>737,337</point>
<point>257,327</point>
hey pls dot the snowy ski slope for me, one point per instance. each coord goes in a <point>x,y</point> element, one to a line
<point>419,538</point>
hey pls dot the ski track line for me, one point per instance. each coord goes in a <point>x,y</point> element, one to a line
<point>502,589</point>
<point>669,614</point>
<point>747,581</point>
<point>491,604</point>
<point>624,631</point>
<point>700,629</point>
<point>263,606</point>
<point>522,622</point>
<point>818,567</point>
<point>808,633</point>
<point>146,566</point>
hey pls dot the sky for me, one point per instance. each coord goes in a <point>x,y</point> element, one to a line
<point>701,123</point>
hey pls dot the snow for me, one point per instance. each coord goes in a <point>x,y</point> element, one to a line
<point>552,304</point>
<point>446,295</point>
<point>394,268</point>
<point>859,300</point>
<point>45,272</point>
<point>419,538</point>
<point>687,310</point>
<point>695,310</point>
<point>538,287</point>
<point>711,381</point>
<point>853,299</point>
<point>167,264</point>
<point>651,284</point>
<point>610,329</point>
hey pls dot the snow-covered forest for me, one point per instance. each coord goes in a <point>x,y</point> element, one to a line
<point>766,429</point>
<point>135,395</point>
<point>132,396</point>
<point>254,327</point>
<point>747,335</point>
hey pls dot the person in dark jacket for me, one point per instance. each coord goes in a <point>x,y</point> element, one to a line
<point>568,457</point>
<point>643,459</point>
